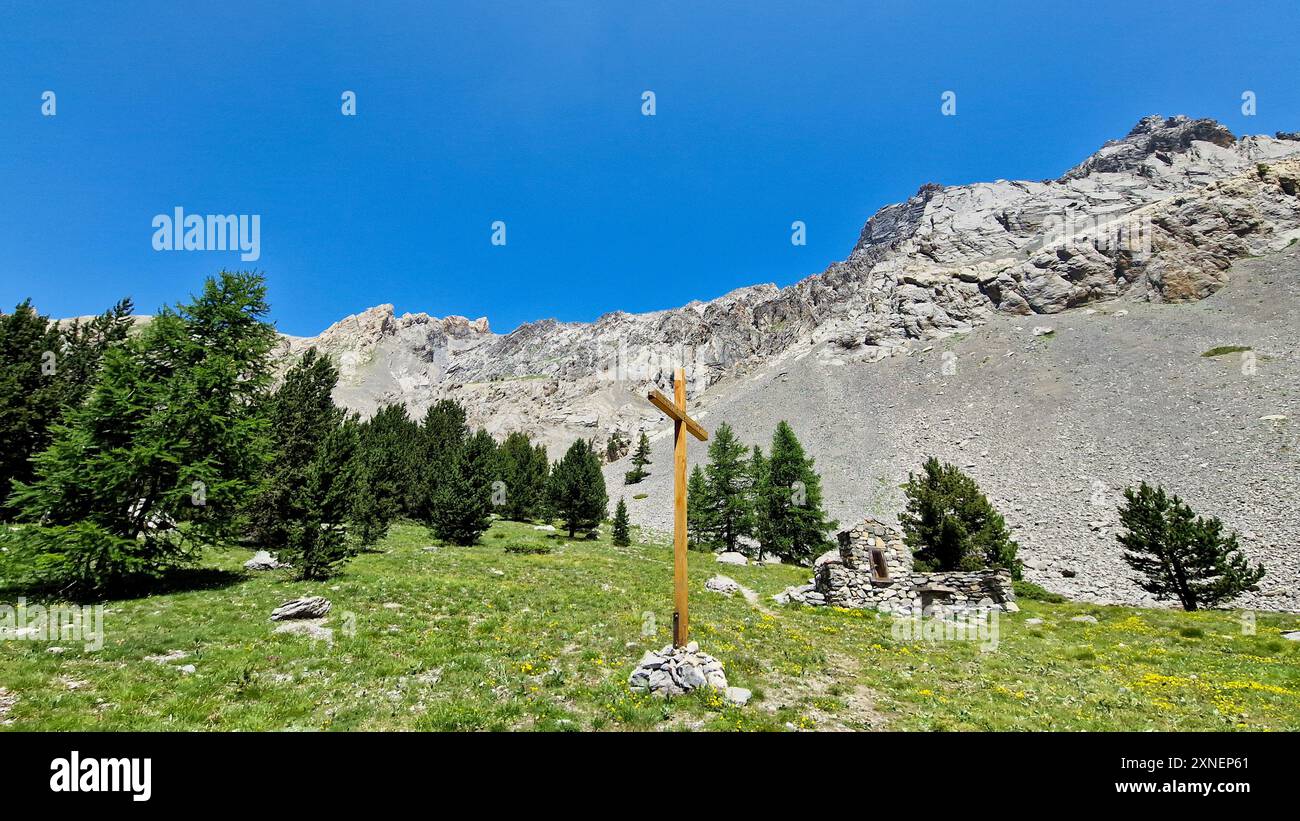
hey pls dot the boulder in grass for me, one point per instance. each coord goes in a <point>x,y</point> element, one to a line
<point>722,584</point>
<point>737,696</point>
<point>263,560</point>
<point>309,607</point>
<point>732,557</point>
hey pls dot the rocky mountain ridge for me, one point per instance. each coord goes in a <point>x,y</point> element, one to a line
<point>1164,211</point>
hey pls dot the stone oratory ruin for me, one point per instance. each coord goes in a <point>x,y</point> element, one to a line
<point>872,570</point>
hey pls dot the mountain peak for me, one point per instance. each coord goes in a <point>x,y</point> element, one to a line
<point>1154,136</point>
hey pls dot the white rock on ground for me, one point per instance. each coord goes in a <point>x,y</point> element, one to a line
<point>168,657</point>
<point>263,560</point>
<point>727,586</point>
<point>803,593</point>
<point>722,584</point>
<point>731,557</point>
<point>738,696</point>
<point>308,607</point>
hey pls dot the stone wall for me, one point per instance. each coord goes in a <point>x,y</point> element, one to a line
<point>856,546</point>
<point>853,580</point>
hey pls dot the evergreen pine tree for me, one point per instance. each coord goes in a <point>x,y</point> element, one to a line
<point>792,524</point>
<point>523,469</point>
<point>622,535</point>
<point>757,470</point>
<point>462,502</point>
<point>1179,554</point>
<point>727,490</point>
<point>300,415</point>
<point>640,459</point>
<point>443,433</point>
<point>25,391</point>
<point>616,447</point>
<point>82,348</point>
<point>950,524</point>
<point>386,468</point>
<point>542,475</point>
<point>46,369</point>
<point>168,434</point>
<point>576,488</point>
<point>316,540</point>
<point>757,495</point>
<point>214,357</point>
<point>698,515</point>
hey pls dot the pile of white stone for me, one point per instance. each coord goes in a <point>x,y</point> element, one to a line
<point>674,671</point>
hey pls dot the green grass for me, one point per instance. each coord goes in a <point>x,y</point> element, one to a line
<point>1029,590</point>
<point>476,638</point>
<point>1223,350</point>
<point>527,547</point>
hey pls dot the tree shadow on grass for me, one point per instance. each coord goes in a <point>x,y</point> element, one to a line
<point>179,580</point>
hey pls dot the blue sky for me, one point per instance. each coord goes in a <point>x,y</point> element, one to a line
<point>530,113</point>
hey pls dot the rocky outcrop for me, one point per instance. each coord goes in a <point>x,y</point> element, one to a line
<point>1154,137</point>
<point>1055,426</point>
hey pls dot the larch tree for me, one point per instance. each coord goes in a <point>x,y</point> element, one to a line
<point>791,523</point>
<point>169,435</point>
<point>727,490</point>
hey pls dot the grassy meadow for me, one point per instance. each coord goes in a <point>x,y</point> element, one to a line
<point>433,637</point>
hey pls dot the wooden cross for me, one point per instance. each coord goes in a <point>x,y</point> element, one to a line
<point>681,424</point>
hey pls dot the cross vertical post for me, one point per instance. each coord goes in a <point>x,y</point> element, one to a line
<point>675,409</point>
<point>681,622</point>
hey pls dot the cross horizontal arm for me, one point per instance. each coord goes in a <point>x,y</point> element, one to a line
<point>667,405</point>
